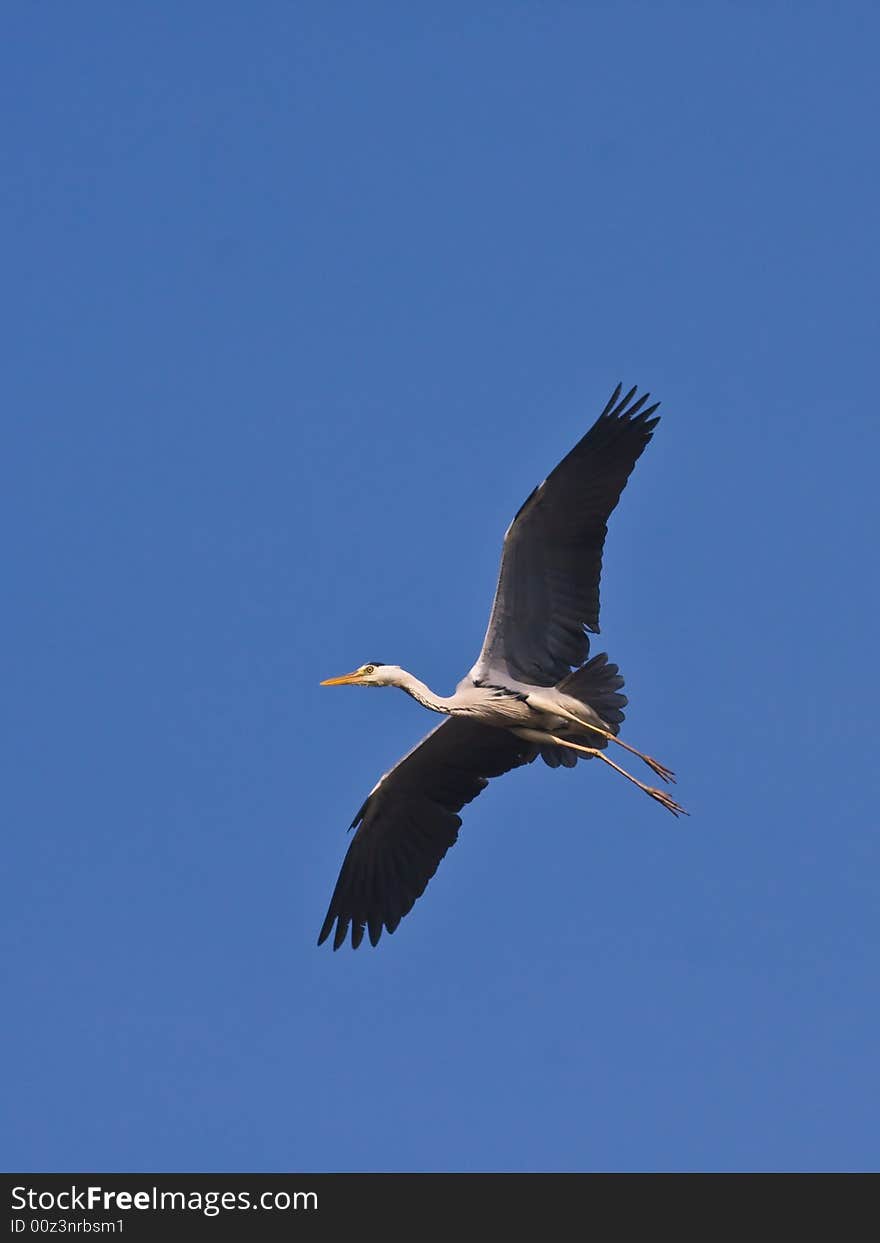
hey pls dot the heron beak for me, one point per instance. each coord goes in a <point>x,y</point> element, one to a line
<point>346,680</point>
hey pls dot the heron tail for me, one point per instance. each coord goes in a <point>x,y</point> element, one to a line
<point>596,684</point>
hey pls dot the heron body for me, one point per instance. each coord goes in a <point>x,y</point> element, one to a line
<point>506,706</point>
<point>533,690</point>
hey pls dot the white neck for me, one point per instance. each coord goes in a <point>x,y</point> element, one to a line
<point>418,690</point>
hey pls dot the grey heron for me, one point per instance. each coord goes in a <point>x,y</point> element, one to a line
<point>533,690</point>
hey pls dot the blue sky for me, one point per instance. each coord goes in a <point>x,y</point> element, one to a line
<point>301,302</point>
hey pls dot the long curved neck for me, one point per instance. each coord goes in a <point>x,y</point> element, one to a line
<point>418,690</point>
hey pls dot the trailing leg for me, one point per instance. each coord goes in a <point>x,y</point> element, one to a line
<point>659,796</point>
<point>666,774</point>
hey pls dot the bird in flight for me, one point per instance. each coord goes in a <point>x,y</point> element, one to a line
<point>533,691</point>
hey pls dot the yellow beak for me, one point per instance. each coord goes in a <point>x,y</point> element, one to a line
<point>345,680</point>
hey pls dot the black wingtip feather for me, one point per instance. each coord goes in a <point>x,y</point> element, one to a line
<point>326,927</point>
<point>621,409</point>
<point>612,400</point>
<point>633,410</point>
<point>341,932</point>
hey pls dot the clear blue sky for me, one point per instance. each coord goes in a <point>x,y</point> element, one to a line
<point>301,300</point>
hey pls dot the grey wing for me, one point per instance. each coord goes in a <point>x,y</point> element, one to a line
<point>548,585</point>
<point>410,820</point>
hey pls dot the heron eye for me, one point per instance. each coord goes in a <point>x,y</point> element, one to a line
<point>368,669</point>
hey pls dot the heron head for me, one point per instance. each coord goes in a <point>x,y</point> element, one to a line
<point>373,674</point>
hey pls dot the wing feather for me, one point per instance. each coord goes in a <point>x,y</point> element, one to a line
<point>547,597</point>
<point>410,820</point>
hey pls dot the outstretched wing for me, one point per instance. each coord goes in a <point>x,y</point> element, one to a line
<point>548,585</point>
<point>410,820</point>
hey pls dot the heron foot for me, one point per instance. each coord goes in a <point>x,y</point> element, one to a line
<point>665,801</point>
<point>664,773</point>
